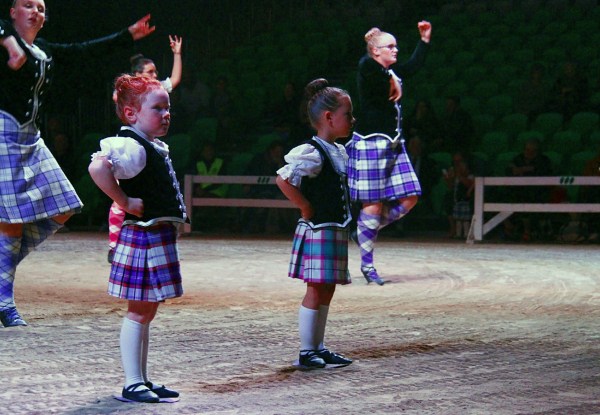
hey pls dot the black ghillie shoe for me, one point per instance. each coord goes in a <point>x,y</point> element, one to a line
<point>144,396</point>
<point>333,358</point>
<point>310,360</point>
<point>111,255</point>
<point>354,236</point>
<point>370,275</point>
<point>10,318</point>
<point>164,394</point>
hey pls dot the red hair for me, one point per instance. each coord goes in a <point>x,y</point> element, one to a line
<point>131,92</point>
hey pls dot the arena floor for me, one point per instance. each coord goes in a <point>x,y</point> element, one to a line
<point>457,329</point>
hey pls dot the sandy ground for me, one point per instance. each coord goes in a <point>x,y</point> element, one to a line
<point>457,329</point>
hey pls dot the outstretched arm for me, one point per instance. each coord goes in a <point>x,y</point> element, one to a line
<point>294,194</point>
<point>101,172</point>
<point>16,55</point>
<point>177,65</point>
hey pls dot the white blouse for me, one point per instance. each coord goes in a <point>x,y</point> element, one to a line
<point>305,160</point>
<point>126,155</point>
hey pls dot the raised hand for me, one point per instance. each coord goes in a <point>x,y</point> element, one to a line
<point>424,30</point>
<point>175,43</point>
<point>141,28</point>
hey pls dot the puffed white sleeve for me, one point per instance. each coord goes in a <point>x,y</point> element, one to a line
<point>127,156</point>
<point>304,160</point>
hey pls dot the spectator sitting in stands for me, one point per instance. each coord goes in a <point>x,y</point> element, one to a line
<point>530,163</point>
<point>532,96</point>
<point>570,93</point>
<point>423,123</point>
<point>460,181</point>
<point>210,165</point>
<point>458,134</point>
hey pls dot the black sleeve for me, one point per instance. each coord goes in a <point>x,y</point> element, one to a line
<point>68,54</point>
<point>414,64</point>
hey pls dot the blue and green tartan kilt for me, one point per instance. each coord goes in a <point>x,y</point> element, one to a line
<point>32,184</point>
<point>462,210</point>
<point>320,255</point>
<point>379,170</point>
<point>146,264</point>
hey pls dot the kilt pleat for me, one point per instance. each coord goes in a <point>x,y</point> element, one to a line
<point>146,264</point>
<point>32,184</point>
<point>320,255</point>
<point>379,170</point>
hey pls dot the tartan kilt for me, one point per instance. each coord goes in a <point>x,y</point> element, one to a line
<point>146,264</point>
<point>320,255</point>
<point>379,170</point>
<point>32,184</point>
<point>462,210</point>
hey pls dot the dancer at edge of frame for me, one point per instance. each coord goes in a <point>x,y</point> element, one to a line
<point>380,175</point>
<point>36,198</point>
<point>141,65</point>
<point>315,180</point>
<point>145,270</point>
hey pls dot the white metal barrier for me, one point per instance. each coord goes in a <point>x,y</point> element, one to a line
<point>479,229</point>
<point>191,201</point>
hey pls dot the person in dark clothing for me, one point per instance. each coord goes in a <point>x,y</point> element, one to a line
<point>458,128</point>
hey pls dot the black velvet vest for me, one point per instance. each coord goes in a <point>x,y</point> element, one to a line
<point>156,185</point>
<point>327,193</point>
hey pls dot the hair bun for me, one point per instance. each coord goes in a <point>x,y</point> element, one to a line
<point>135,58</point>
<point>374,32</point>
<point>316,86</point>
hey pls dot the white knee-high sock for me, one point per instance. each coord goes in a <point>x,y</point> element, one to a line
<point>321,323</point>
<point>307,325</point>
<point>132,334</point>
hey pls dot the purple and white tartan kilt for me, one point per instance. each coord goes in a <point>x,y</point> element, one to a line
<point>320,255</point>
<point>462,210</point>
<point>379,170</point>
<point>32,184</point>
<point>146,264</point>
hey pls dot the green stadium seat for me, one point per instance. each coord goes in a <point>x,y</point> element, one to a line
<point>565,142</point>
<point>458,89</point>
<point>504,74</point>
<point>471,105</point>
<point>263,143</point>
<point>238,164</point>
<point>525,136</point>
<point>204,129</point>
<point>474,74</point>
<point>480,45</point>
<point>522,58</point>
<point>556,158</point>
<point>584,123</point>
<point>463,60</point>
<point>499,31</point>
<point>513,124</point>
<point>578,161</point>
<point>483,124</point>
<point>484,90</point>
<point>499,105</point>
<point>443,75</point>
<point>493,58</point>
<point>548,123</point>
<point>452,46</point>
<point>502,162</point>
<point>494,143</point>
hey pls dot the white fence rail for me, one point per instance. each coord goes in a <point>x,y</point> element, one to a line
<point>191,201</point>
<point>479,228</point>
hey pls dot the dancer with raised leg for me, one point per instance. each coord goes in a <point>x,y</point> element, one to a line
<point>380,175</point>
<point>36,198</point>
